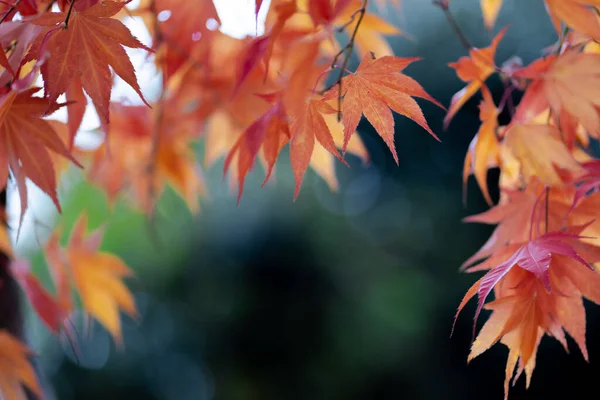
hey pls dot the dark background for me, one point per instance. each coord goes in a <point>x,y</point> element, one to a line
<point>346,295</point>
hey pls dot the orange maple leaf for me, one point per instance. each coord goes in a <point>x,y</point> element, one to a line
<point>484,148</point>
<point>376,87</point>
<point>473,70</point>
<point>568,84</point>
<point>269,132</point>
<point>540,151</point>
<point>78,48</point>
<point>307,127</point>
<point>369,37</point>
<point>222,133</point>
<point>542,296</point>
<point>522,214</point>
<point>150,149</point>
<point>189,24</point>
<point>97,276</point>
<point>577,14</point>
<point>16,369</point>
<point>25,139</point>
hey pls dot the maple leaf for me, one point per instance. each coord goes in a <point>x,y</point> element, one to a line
<point>376,87</point>
<point>50,310</point>
<point>535,257</point>
<point>368,38</point>
<point>484,148</point>
<point>540,150</point>
<point>16,370</point>
<point>189,23</point>
<point>271,132</point>
<point>307,127</point>
<point>25,139</point>
<point>588,182</point>
<point>222,133</point>
<point>81,47</point>
<point>569,84</point>
<point>525,309</point>
<point>521,214</point>
<point>577,14</point>
<point>473,70</point>
<point>97,276</point>
<point>490,9</point>
<point>162,140</point>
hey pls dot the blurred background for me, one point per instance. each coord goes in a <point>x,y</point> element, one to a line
<point>347,295</point>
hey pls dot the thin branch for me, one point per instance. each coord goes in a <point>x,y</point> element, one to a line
<point>346,51</point>
<point>443,5</point>
<point>10,11</point>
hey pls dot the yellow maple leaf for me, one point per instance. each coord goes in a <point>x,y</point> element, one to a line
<point>97,277</point>
<point>15,369</point>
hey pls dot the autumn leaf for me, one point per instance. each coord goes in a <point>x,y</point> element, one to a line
<point>490,9</point>
<point>189,24</point>
<point>323,162</point>
<point>307,127</point>
<point>484,148</point>
<point>521,214</point>
<point>473,70</point>
<point>16,370</point>
<point>376,87</point>
<point>270,132</point>
<point>577,14</point>
<point>540,150</point>
<point>163,141</point>
<point>25,139</point>
<point>567,84</point>
<point>83,46</point>
<point>369,36</point>
<point>525,308</point>
<point>97,277</point>
<point>535,257</point>
<point>49,309</point>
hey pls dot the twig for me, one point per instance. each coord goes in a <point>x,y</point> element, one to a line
<point>347,51</point>
<point>443,5</point>
<point>10,11</point>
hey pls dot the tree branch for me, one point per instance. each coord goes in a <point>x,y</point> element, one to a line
<point>443,5</point>
<point>347,52</point>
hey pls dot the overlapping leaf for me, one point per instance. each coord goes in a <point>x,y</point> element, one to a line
<point>484,149</point>
<point>97,277</point>
<point>474,70</point>
<point>568,84</point>
<point>16,371</point>
<point>25,140</point>
<point>376,88</point>
<point>77,49</point>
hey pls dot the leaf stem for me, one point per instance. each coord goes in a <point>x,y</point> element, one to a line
<point>69,14</point>
<point>347,51</point>
<point>9,11</point>
<point>443,5</point>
